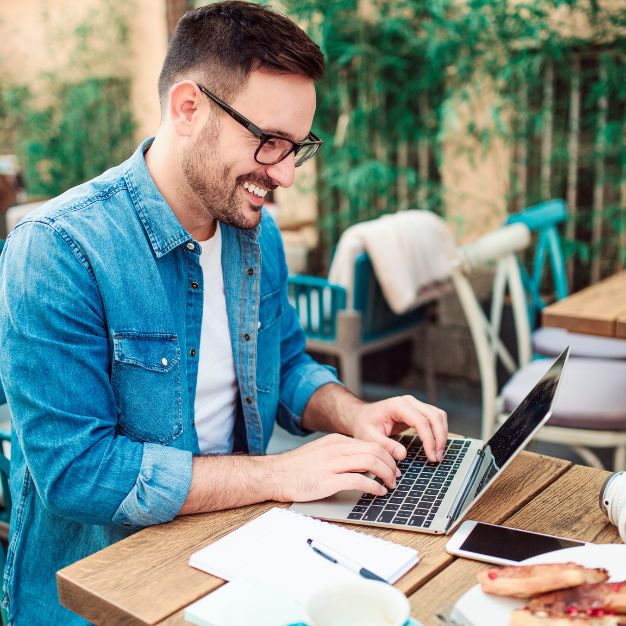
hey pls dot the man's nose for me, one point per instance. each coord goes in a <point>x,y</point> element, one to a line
<point>283,172</point>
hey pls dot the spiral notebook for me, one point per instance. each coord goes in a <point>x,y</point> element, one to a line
<point>273,549</point>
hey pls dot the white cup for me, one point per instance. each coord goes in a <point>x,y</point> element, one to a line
<point>359,603</point>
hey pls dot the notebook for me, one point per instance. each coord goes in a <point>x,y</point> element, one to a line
<point>240,602</point>
<point>272,549</point>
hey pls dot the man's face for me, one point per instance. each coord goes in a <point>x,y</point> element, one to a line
<point>219,165</point>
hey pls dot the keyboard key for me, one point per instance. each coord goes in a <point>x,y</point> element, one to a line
<point>386,517</point>
<point>372,514</point>
<point>400,520</point>
<point>412,499</point>
<point>408,506</point>
<point>417,520</point>
<point>396,500</point>
<point>354,516</point>
<point>359,509</point>
<point>392,507</point>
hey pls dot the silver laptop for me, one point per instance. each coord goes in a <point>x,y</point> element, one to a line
<point>435,497</point>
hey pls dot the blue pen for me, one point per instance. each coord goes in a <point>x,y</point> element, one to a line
<point>339,559</point>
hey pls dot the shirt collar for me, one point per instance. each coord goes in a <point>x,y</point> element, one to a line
<point>164,230</point>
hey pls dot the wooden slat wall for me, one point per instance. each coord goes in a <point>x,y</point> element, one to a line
<point>572,163</point>
<point>598,189</point>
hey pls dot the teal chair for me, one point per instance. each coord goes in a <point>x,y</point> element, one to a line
<point>543,221</point>
<point>349,334</point>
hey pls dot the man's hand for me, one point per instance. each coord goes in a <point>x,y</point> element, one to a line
<point>333,408</point>
<point>333,463</point>
<point>380,420</point>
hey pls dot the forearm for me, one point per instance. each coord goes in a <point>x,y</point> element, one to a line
<point>226,482</point>
<point>332,409</point>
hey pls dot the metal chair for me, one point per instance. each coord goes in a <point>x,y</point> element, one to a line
<point>590,409</point>
<point>349,334</point>
<point>543,219</point>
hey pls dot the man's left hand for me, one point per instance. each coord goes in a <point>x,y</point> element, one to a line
<point>379,421</point>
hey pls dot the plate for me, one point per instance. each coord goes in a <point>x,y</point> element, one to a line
<point>476,607</point>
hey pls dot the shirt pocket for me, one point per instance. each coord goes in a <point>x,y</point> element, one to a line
<point>146,381</point>
<point>268,342</point>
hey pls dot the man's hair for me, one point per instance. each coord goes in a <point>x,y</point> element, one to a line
<point>222,43</point>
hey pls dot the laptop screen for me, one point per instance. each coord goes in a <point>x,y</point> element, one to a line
<point>513,435</point>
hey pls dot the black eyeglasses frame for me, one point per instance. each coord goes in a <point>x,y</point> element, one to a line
<point>262,136</point>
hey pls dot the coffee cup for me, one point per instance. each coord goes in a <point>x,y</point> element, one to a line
<point>359,603</point>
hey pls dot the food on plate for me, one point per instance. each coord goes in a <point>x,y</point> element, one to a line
<point>593,600</point>
<point>524,617</point>
<point>524,581</point>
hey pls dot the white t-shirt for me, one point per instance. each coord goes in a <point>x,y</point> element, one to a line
<point>216,390</point>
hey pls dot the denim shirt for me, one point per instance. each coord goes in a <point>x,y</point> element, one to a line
<point>101,297</point>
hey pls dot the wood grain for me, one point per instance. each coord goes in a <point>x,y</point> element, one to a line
<point>568,507</point>
<point>594,310</point>
<point>145,579</point>
<point>620,329</point>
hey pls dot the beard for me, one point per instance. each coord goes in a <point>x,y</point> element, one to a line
<point>213,185</point>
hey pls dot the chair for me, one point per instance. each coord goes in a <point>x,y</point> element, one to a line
<point>590,409</point>
<point>544,219</point>
<point>348,334</point>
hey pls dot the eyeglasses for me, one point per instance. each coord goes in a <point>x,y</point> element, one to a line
<point>272,148</point>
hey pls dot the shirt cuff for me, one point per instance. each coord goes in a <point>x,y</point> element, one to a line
<point>160,489</point>
<point>311,379</point>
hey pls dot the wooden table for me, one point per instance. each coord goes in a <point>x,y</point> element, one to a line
<point>145,579</point>
<point>596,310</point>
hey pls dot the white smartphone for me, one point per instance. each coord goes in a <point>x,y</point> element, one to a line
<point>501,545</point>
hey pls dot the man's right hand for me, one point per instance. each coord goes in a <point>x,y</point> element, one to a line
<point>333,463</point>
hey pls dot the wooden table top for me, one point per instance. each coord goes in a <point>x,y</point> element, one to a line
<point>145,579</point>
<point>597,310</point>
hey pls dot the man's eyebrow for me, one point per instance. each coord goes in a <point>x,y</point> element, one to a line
<point>282,133</point>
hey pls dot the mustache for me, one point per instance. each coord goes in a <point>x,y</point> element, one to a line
<point>261,181</point>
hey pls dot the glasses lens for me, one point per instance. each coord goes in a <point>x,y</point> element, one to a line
<point>305,153</point>
<point>273,150</point>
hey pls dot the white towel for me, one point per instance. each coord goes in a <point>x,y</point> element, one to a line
<point>411,253</point>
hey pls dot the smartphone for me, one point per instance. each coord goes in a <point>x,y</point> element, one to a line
<point>501,545</point>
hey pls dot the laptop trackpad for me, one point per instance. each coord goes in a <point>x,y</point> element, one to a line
<point>333,507</point>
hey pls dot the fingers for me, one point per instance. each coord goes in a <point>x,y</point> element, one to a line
<point>359,482</point>
<point>368,463</point>
<point>395,449</point>
<point>354,455</point>
<point>431,424</point>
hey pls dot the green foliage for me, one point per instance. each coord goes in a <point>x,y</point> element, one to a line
<point>87,129</point>
<point>65,131</point>
<point>397,69</point>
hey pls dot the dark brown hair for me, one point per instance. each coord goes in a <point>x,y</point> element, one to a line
<point>222,43</point>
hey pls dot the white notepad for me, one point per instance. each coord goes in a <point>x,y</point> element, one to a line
<point>243,603</point>
<point>272,549</point>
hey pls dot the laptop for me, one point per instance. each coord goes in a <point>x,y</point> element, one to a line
<point>435,497</point>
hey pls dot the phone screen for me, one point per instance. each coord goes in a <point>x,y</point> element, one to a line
<point>512,544</point>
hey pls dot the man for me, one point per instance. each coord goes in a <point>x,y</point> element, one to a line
<point>147,337</point>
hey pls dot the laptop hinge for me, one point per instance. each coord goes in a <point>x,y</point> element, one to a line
<point>461,496</point>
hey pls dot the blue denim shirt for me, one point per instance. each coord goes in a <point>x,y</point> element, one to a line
<point>100,314</point>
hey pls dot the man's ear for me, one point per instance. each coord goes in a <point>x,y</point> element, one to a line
<point>183,106</point>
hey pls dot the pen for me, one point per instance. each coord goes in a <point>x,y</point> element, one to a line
<point>339,559</point>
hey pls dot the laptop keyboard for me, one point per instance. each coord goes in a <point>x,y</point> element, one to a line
<point>419,491</point>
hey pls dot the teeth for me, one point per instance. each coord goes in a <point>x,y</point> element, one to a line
<point>257,191</point>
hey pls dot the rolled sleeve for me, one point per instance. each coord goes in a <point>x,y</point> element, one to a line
<point>297,391</point>
<point>160,490</point>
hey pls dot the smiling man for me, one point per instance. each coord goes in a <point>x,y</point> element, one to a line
<point>148,343</point>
